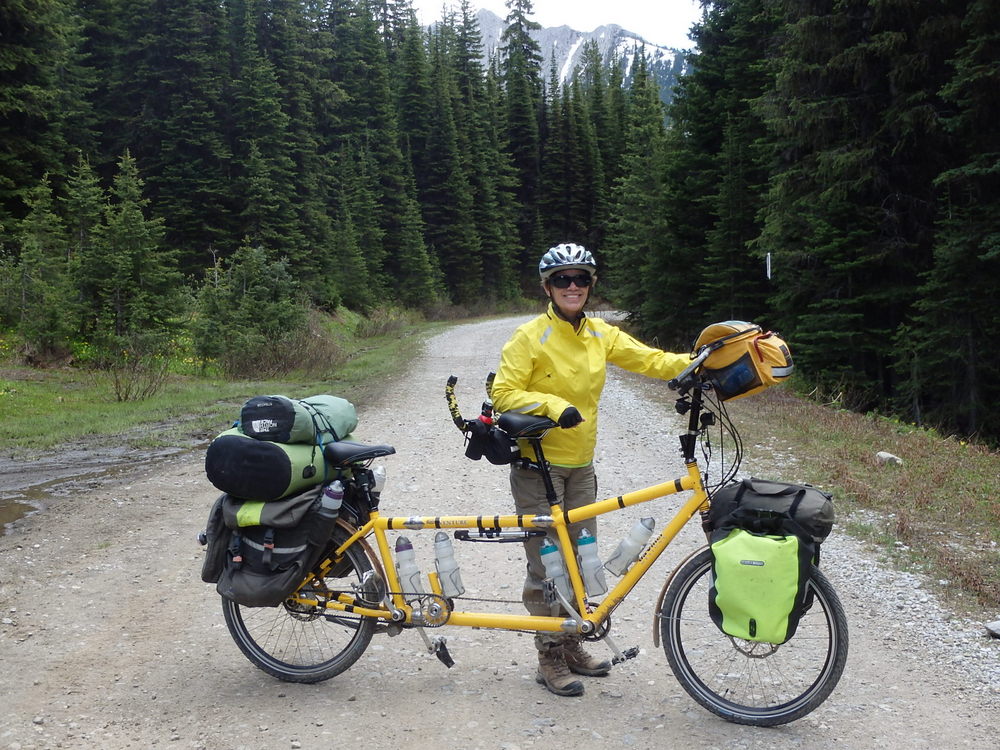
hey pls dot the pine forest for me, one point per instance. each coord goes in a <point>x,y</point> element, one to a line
<point>223,169</point>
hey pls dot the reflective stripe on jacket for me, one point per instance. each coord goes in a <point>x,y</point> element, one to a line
<point>547,366</point>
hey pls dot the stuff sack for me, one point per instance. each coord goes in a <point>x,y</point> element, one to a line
<point>317,419</point>
<point>744,359</point>
<point>265,564</point>
<point>252,469</point>
<point>759,584</point>
<point>811,508</point>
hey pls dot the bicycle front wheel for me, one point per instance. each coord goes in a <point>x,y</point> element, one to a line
<point>747,682</point>
<point>299,643</point>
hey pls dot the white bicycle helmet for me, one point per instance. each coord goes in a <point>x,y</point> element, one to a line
<point>566,257</point>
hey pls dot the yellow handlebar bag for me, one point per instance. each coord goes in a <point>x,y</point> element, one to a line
<point>744,358</point>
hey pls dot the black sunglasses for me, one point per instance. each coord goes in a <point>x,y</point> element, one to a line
<point>562,281</point>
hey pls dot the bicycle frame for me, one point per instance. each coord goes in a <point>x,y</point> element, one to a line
<point>558,521</point>
<point>584,618</point>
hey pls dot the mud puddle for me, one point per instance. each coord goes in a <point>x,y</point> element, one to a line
<point>36,485</point>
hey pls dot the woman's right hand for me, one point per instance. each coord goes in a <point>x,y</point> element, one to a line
<point>570,417</point>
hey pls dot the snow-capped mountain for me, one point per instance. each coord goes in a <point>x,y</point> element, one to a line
<point>564,45</point>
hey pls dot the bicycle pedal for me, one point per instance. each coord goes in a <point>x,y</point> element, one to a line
<point>441,652</point>
<point>629,653</point>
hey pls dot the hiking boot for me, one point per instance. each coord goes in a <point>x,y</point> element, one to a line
<point>555,675</point>
<point>581,662</point>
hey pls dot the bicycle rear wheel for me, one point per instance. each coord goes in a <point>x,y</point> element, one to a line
<point>747,682</point>
<point>299,643</point>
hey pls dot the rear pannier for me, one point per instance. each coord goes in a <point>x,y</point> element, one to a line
<point>258,553</point>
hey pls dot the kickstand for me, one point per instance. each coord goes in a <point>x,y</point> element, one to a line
<point>438,647</point>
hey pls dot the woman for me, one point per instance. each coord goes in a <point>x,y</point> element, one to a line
<point>554,366</point>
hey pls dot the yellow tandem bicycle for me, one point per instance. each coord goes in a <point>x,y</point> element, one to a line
<point>355,591</point>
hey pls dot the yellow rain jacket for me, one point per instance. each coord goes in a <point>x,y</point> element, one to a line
<point>547,366</point>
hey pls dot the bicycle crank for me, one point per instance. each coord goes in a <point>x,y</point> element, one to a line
<point>618,655</point>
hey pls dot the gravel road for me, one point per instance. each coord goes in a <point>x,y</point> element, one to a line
<point>110,640</point>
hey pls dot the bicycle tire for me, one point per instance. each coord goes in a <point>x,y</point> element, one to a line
<point>743,681</point>
<point>307,644</point>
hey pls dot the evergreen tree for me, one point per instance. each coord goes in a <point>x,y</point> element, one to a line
<point>83,208</point>
<point>554,157</point>
<point>599,142</point>
<point>521,70</point>
<point>849,216</point>
<point>265,172</point>
<point>292,38</point>
<point>951,367</point>
<point>357,212</point>
<point>643,275</point>
<point>180,123</point>
<point>486,167</point>
<point>732,70</point>
<point>613,142</point>
<point>368,122</point>
<point>447,199</point>
<point>43,111</point>
<point>139,286</point>
<point>47,313</point>
<point>247,311</point>
<point>494,181</point>
<point>414,103</point>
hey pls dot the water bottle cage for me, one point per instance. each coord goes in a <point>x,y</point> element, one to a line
<point>549,592</point>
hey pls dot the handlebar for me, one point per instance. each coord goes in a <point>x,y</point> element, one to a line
<point>686,379</point>
<point>456,414</point>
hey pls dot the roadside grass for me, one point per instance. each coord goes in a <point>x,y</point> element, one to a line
<point>938,511</point>
<point>42,409</point>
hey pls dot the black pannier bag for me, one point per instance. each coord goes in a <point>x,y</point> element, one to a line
<point>215,539</point>
<point>263,564</point>
<point>809,507</point>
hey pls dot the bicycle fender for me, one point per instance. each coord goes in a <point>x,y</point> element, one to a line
<point>663,593</point>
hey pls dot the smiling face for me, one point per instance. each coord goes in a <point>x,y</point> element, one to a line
<point>569,291</point>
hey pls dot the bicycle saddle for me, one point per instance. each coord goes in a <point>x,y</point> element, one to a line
<point>524,425</point>
<point>344,453</point>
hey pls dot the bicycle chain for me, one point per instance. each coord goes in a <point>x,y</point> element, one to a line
<point>596,635</point>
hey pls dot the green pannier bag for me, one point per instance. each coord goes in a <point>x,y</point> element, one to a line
<point>265,562</point>
<point>253,469</point>
<point>317,419</point>
<point>759,583</point>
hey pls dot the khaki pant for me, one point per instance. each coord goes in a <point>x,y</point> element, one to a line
<point>574,488</point>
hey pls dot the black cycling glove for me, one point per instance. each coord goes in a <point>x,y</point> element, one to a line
<point>570,418</point>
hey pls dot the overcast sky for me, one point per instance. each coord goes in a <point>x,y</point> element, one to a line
<point>662,22</point>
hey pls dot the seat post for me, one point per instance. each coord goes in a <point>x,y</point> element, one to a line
<point>550,490</point>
